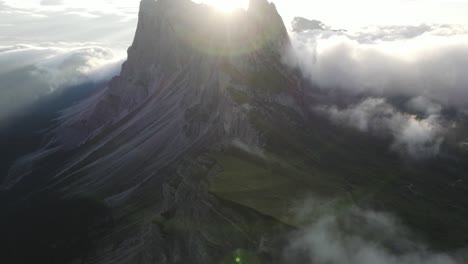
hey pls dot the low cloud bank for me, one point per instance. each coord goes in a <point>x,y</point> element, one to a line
<point>389,62</point>
<point>29,72</point>
<point>362,237</point>
<point>51,2</point>
<point>43,63</point>
<point>425,64</point>
<point>418,137</point>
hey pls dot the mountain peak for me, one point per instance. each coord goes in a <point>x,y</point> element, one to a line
<point>186,55</point>
<point>193,83</point>
<point>189,73</point>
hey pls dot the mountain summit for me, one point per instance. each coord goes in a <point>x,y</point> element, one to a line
<point>192,85</point>
<point>187,72</point>
<point>186,68</point>
<point>192,45</point>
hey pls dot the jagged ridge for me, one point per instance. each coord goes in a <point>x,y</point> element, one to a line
<point>139,144</point>
<point>173,90</point>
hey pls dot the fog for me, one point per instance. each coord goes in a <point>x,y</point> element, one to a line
<point>408,61</point>
<point>418,137</point>
<point>357,236</point>
<point>30,72</point>
<point>423,64</point>
<point>47,46</point>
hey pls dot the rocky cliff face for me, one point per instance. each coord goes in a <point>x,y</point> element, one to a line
<point>180,57</point>
<point>191,82</point>
<point>177,88</point>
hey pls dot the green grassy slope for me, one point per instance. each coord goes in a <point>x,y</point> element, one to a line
<point>312,158</point>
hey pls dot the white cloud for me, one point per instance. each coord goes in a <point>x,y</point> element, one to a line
<point>422,65</point>
<point>422,105</point>
<point>29,72</point>
<point>103,6</point>
<point>359,13</point>
<point>418,137</point>
<point>411,61</point>
<point>51,2</point>
<point>359,236</point>
<point>114,26</point>
<point>61,45</point>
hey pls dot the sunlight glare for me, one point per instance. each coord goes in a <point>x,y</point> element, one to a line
<point>227,5</point>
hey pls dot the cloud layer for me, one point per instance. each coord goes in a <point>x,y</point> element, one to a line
<point>29,72</point>
<point>424,64</point>
<point>51,2</point>
<point>412,61</point>
<point>361,237</point>
<point>418,137</point>
<point>49,45</point>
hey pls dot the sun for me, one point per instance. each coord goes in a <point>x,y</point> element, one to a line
<point>227,5</point>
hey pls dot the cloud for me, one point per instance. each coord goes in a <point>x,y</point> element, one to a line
<point>60,46</point>
<point>409,61</point>
<point>423,66</point>
<point>111,25</point>
<point>300,24</point>
<point>51,2</point>
<point>391,33</point>
<point>422,105</point>
<point>29,72</point>
<point>420,137</point>
<point>359,236</point>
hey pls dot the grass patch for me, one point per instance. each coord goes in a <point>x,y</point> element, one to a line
<point>270,186</point>
<point>317,159</point>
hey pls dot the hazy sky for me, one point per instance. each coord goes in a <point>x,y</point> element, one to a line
<point>345,13</point>
<point>114,21</point>
<point>342,13</point>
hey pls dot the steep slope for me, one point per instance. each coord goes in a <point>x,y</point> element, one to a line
<point>174,90</point>
<point>140,147</point>
<point>197,151</point>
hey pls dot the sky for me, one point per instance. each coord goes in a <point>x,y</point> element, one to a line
<point>339,13</point>
<point>358,13</point>
<point>113,22</point>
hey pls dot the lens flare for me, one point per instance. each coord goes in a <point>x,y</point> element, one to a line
<point>227,5</point>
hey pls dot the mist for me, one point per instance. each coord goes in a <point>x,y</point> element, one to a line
<point>382,64</point>
<point>48,46</point>
<point>31,72</point>
<point>425,65</point>
<point>358,236</point>
<point>418,137</point>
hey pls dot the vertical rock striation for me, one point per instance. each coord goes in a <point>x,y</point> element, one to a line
<point>192,77</point>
